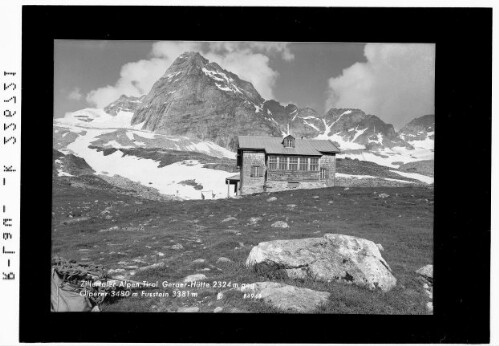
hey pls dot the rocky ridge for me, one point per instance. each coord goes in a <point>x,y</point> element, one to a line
<point>200,99</point>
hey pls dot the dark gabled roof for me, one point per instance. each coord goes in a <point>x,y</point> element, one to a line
<point>273,145</point>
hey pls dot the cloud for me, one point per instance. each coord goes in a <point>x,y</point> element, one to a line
<point>251,67</point>
<point>75,94</point>
<point>270,48</point>
<point>396,83</point>
<point>137,78</point>
<point>249,60</point>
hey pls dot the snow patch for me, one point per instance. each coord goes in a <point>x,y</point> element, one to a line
<point>117,145</point>
<point>417,176</point>
<point>357,176</point>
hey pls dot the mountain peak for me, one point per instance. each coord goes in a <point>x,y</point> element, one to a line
<point>191,58</point>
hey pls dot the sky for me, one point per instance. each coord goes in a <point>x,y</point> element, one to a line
<point>393,81</point>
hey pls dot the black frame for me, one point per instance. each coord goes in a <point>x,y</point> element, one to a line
<point>462,216</point>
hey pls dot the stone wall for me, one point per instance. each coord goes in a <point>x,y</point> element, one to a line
<point>281,175</point>
<point>273,186</point>
<point>251,184</point>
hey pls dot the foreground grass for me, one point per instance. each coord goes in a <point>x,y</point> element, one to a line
<point>123,232</point>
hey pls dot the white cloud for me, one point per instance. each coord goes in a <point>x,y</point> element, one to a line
<point>396,83</point>
<point>249,60</point>
<point>75,94</point>
<point>251,67</point>
<point>271,48</point>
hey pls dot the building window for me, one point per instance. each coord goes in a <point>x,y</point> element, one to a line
<point>303,164</point>
<point>293,163</point>
<point>273,162</point>
<point>282,163</point>
<point>256,171</point>
<point>314,164</point>
<point>323,174</point>
<point>289,142</point>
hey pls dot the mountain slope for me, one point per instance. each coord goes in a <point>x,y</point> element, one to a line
<point>420,132</point>
<point>124,104</point>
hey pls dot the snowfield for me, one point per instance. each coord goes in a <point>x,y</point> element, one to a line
<point>96,127</point>
<point>146,172</point>
<point>420,177</point>
<point>92,123</point>
<point>392,158</point>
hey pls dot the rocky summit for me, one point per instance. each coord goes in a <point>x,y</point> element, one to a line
<point>198,98</point>
<point>419,129</point>
<point>334,257</point>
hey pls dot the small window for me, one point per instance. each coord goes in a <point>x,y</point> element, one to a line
<point>293,163</point>
<point>272,162</point>
<point>256,171</point>
<point>323,173</point>
<point>314,164</point>
<point>289,142</point>
<point>282,163</point>
<point>303,163</point>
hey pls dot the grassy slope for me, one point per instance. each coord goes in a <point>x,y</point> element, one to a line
<point>425,167</point>
<point>402,223</point>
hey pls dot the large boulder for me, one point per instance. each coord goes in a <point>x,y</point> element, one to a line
<point>334,257</point>
<point>286,297</point>
<point>426,272</point>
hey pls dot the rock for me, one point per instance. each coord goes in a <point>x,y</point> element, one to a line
<point>383,195</point>
<point>315,197</point>
<point>272,199</point>
<point>230,218</point>
<point>160,254</point>
<point>291,206</point>
<point>380,247</point>
<point>199,260</point>
<point>220,295</point>
<point>188,309</point>
<point>194,277</point>
<point>426,272</point>
<point>330,202</point>
<point>334,257</point>
<point>152,266</point>
<point>224,260</point>
<point>286,297</point>
<point>177,247</point>
<point>346,189</point>
<point>205,269</point>
<point>254,220</point>
<point>429,307</point>
<point>218,309</point>
<point>280,224</point>
<point>112,271</point>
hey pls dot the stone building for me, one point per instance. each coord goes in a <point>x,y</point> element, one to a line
<point>274,164</point>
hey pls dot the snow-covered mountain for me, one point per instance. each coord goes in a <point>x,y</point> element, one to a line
<point>124,104</point>
<point>198,107</point>
<point>420,132</point>
<point>199,99</point>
